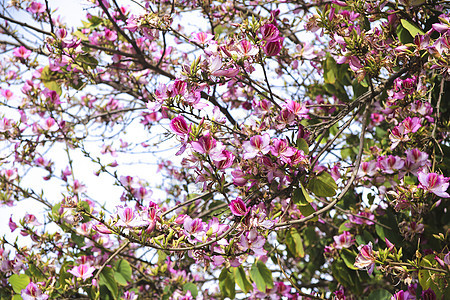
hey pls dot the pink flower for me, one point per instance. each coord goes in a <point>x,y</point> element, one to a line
<point>398,135</point>
<point>110,35</point>
<point>429,294</point>
<point>129,295</point>
<point>253,241</point>
<point>273,48</point>
<point>179,126</point>
<point>296,108</point>
<point>239,177</point>
<point>257,144</point>
<point>9,174</point>
<point>238,207</point>
<point>36,8</point>
<point>281,149</point>
<point>12,224</point>
<point>83,271</point>
<point>245,48</point>
<point>415,160</point>
<point>365,258</point>
<point>128,217</point>
<point>101,228</point>
<point>343,241</point>
<point>401,295</point>
<point>33,292</point>
<point>432,182</point>
<point>202,37</point>
<point>22,52</point>
<point>368,168</point>
<point>362,217</point>
<point>49,124</point>
<point>411,124</point>
<point>226,162</point>
<point>178,88</point>
<point>194,227</point>
<point>389,244</point>
<point>269,33</point>
<point>388,164</point>
<point>7,94</point>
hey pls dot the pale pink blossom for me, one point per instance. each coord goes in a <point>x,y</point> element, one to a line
<point>434,183</point>
<point>83,271</point>
<point>202,37</point>
<point>389,164</point>
<point>258,144</point>
<point>33,292</point>
<point>343,241</point>
<point>365,258</point>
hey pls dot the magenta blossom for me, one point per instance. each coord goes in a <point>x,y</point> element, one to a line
<point>401,295</point>
<point>362,217</point>
<point>36,8</point>
<point>273,48</point>
<point>269,33</point>
<point>252,240</point>
<point>432,182</point>
<point>179,126</point>
<point>22,52</point>
<point>429,294</point>
<point>238,207</point>
<point>83,271</point>
<point>281,149</point>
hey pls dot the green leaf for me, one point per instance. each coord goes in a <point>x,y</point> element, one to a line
<point>307,210</point>
<point>412,29</point>
<point>303,145</point>
<point>403,35</point>
<point>242,280</point>
<point>349,258</point>
<point>323,185</point>
<point>380,294</point>
<point>301,197</point>
<point>330,70</point>
<point>19,282</point>
<point>424,279</point>
<point>227,283</point>
<point>107,279</point>
<point>295,243</point>
<point>122,272</point>
<point>17,297</point>
<point>298,198</point>
<point>80,35</point>
<point>161,256</point>
<point>53,85</point>
<point>88,60</point>
<point>190,286</point>
<point>63,274</point>
<point>261,275</point>
<point>77,239</point>
<point>35,272</point>
<point>344,227</point>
